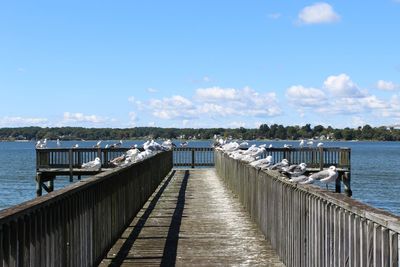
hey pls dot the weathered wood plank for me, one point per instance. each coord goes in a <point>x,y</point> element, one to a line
<point>192,220</point>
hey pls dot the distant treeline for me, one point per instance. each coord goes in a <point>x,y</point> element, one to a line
<point>265,131</point>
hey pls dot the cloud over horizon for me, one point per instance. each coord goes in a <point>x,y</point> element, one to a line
<point>318,13</point>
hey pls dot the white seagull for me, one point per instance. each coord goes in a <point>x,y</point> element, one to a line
<point>278,166</point>
<point>325,176</point>
<point>262,163</point>
<point>98,144</point>
<point>93,165</point>
<point>301,143</point>
<point>295,170</point>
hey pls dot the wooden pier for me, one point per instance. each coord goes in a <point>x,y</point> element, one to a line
<point>148,213</point>
<point>192,220</point>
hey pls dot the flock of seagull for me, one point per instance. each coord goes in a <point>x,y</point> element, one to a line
<point>134,154</point>
<point>295,172</point>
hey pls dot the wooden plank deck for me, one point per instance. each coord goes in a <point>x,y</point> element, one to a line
<point>192,219</point>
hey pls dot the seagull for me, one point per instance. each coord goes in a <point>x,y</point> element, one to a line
<point>75,146</point>
<point>265,163</point>
<point>94,164</point>
<point>118,160</point>
<point>41,143</point>
<point>310,143</point>
<point>278,166</point>
<point>184,144</point>
<point>270,146</point>
<point>98,144</point>
<point>301,143</point>
<point>230,147</point>
<point>243,145</point>
<point>295,170</point>
<point>168,145</point>
<point>287,146</point>
<point>320,144</point>
<point>58,142</point>
<point>325,176</point>
<point>116,144</point>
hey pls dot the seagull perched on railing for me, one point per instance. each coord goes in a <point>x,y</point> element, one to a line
<point>119,144</point>
<point>168,145</point>
<point>325,176</point>
<point>278,166</point>
<point>301,143</point>
<point>97,145</point>
<point>41,143</point>
<point>94,164</point>
<point>295,170</point>
<point>262,163</point>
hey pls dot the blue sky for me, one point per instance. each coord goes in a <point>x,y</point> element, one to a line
<point>199,63</point>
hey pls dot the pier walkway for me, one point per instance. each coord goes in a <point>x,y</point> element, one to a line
<point>192,219</point>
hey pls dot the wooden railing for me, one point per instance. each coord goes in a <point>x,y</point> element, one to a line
<point>193,156</point>
<point>309,226</point>
<point>76,225</point>
<point>315,157</point>
<point>74,157</point>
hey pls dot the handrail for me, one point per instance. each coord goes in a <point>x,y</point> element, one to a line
<point>309,226</point>
<point>74,157</point>
<point>76,225</point>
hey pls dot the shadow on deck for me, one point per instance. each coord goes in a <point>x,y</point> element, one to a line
<point>192,219</point>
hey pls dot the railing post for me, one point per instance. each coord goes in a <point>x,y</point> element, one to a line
<point>99,155</point>
<point>321,158</point>
<point>70,158</point>
<point>193,160</point>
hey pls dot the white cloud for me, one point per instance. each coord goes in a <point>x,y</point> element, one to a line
<point>339,95</point>
<point>357,121</point>
<point>152,90</point>
<point>237,124</point>
<point>307,97</point>
<point>185,122</point>
<point>387,85</point>
<point>212,103</point>
<point>318,13</point>
<point>80,117</point>
<point>132,119</point>
<point>18,121</point>
<point>174,107</point>
<point>131,99</point>
<point>342,86</point>
<point>231,101</point>
<point>216,94</point>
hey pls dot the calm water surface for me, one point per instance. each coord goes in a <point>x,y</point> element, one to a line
<point>375,179</point>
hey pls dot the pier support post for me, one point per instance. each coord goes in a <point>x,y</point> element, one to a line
<point>50,184</point>
<point>38,184</point>
<point>346,178</point>
<point>338,188</point>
